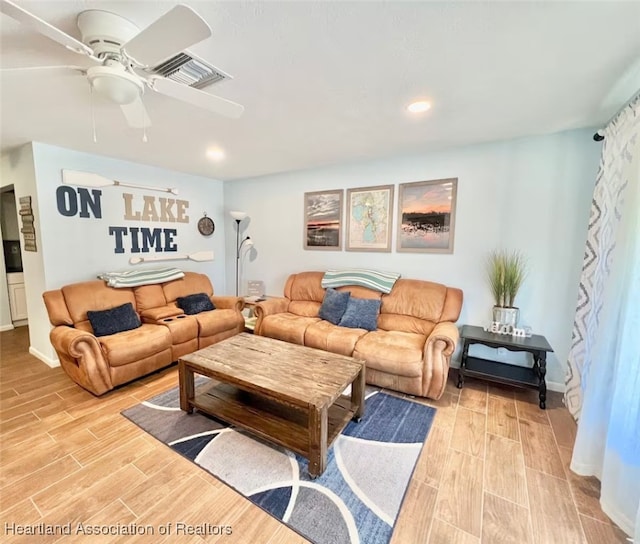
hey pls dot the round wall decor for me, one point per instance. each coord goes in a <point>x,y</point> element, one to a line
<point>206,226</point>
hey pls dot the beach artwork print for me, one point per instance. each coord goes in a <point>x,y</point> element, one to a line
<point>323,220</point>
<point>426,216</point>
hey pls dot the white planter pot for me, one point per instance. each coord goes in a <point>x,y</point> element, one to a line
<point>506,316</point>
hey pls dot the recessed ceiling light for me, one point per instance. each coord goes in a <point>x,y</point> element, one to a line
<point>215,154</point>
<point>419,106</point>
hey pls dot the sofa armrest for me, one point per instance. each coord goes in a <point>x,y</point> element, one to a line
<point>153,315</point>
<point>228,303</point>
<point>267,307</point>
<point>82,358</point>
<point>439,347</point>
<point>447,333</point>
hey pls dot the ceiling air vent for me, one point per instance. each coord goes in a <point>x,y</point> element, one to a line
<point>190,70</point>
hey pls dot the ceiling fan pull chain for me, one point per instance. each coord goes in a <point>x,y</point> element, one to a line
<point>93,117</point>
<point>144,121</point>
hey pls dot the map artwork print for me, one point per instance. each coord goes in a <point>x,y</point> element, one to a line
<point>369,218</point>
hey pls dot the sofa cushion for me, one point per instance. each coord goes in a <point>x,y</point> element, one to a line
<point>394,352</point>
<point>334,305</point>
<point>210,323</point>
<point>131,346</point>
<point>304,308</point>
<point>329,337</point>
<point>416,298</point>
<point>305,286</point>
<point>287,326</point>
<point>118,319</point>
<point>195,304</point>
<point>191,283</point>
<point>93,295</point>
<point>149,297</point>
<point>361,313</point>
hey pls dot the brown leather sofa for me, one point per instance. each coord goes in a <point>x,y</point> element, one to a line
<point>409,352</point>
<point>101,363</point>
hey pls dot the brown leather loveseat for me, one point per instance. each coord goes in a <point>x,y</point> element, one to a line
<point>100,363</point>
<point>409,352</point>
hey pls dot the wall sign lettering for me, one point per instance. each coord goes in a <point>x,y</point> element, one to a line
<point>87,204</point>
<point>141,239</point>
<point>165,210</point>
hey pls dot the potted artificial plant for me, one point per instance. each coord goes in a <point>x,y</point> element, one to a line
<point>506,271</point>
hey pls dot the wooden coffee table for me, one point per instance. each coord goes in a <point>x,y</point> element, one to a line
<point>285,393</point>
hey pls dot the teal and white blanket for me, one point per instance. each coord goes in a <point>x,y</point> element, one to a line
<point>378,281</point>
<point>134,278</point>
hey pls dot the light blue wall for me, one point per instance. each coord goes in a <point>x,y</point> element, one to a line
<point>532,194</point>
<point>72,249</point>
<point>77,249</point>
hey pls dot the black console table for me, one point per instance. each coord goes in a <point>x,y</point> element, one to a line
<point>504,372</point>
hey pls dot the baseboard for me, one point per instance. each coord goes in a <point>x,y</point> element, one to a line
<point>555,386</point>
<point>9,327</point>
<point>46,360</point>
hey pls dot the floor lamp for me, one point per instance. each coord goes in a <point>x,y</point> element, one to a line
<point>238,217</point>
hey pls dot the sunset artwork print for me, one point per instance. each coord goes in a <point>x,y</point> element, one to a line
<point>323,220</point>
<point>426,216</point>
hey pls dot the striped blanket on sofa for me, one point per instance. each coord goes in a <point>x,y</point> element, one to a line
<point>379,281</point>
<point>145,276</point>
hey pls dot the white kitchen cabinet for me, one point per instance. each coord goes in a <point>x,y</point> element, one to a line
<point>17,296</point>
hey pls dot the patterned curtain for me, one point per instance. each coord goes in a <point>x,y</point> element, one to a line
<point>612,182</point>
<point>603,377</point>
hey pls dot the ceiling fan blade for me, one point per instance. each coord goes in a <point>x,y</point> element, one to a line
<point>44,28</point>
<point>136,114</point>
<point>170,34</point>
<point>197,98</point>
<point>45,71</point>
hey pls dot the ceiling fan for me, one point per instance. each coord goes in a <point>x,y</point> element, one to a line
<point>124,61</point>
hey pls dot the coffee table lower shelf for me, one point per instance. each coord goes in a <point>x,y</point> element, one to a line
<point>274,421</point>
<point>501,372</point>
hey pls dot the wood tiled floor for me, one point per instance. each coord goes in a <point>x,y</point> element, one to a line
<point>495,468</point>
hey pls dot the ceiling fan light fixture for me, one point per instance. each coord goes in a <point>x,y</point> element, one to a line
<point>115,85</point>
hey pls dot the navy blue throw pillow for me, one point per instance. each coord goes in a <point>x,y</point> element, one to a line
<point>361,313</point>
<point>194,304</point>
<point>334,305</point>
<point>118,319</point>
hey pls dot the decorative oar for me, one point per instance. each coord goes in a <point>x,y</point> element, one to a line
<point>199,256</point>
<point>89,179</point>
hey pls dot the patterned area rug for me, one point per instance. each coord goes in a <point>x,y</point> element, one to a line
<point>356,499</point>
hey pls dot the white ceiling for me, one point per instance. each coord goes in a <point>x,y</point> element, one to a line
<point>327,82</point>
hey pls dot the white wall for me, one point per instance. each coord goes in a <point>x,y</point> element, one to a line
<point>72,249</point>
<point>532,194</point>
<point>18,170</point>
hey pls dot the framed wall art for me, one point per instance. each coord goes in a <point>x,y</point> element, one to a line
<point>323,220</point>
<point>426,216</point>
<point>369,216</point>
<point>27,230</point>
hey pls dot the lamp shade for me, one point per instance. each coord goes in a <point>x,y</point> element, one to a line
<point>249,243</point>
<point>238,216</point>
